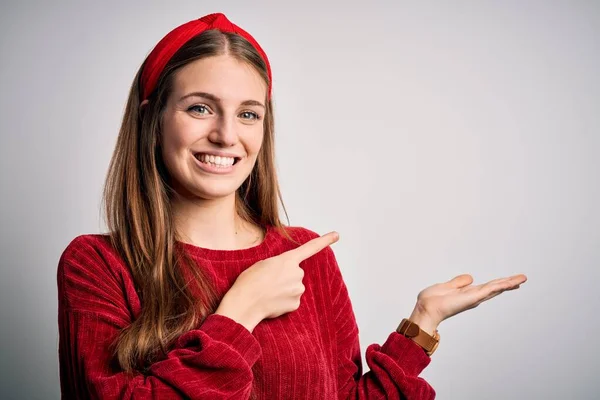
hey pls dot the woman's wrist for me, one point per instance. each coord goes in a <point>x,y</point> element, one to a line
<point>425,322</point>
<point>238,312</point>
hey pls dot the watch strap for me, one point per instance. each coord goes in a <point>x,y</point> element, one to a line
<point>414,332</point>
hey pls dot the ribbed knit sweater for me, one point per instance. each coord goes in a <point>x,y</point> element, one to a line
<point>310,353</point>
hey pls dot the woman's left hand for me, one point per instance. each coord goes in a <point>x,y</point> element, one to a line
<point>444,300</point>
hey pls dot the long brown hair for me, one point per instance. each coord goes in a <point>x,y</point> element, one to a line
<point>137,203</point>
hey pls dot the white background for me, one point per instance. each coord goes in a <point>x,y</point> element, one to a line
<point>438,138</point>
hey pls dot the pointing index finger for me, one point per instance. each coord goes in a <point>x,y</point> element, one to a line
<point>314,246</point>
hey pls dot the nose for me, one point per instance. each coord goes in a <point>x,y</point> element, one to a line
<point>224,132</point>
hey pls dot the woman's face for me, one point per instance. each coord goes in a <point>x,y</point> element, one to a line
<point>212,126</point>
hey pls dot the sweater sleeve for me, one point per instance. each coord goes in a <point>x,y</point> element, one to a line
<point>394,367</point>
<point>213,361</point>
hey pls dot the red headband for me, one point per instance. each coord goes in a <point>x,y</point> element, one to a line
<point>168,46</point>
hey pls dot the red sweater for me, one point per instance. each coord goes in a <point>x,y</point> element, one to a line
<point>311,353</point>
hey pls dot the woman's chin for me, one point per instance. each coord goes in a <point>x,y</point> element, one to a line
<point>208,189</point>
<point>214,193</point>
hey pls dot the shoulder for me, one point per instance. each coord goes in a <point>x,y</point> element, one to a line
<point>89,262</point>
<point>88,250</point>
<point>298,235</point>
<point>301,235</point>
<point>323,266</point>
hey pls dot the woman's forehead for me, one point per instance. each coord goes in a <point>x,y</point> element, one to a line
<point>225,77</point>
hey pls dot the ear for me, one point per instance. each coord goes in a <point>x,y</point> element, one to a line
<point>143,104</point>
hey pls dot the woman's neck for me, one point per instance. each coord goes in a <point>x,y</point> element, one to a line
<point>214,224</point>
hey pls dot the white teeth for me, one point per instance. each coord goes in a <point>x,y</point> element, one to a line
<point>216,160</point>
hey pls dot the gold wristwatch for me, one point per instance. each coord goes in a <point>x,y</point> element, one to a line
<point>412,331</point>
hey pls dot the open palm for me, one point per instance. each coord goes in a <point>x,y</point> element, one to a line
<point>444,300</point>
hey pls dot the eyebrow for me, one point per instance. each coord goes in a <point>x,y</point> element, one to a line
<point>214,98</point>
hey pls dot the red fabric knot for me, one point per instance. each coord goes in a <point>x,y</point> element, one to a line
<point>174,40</point>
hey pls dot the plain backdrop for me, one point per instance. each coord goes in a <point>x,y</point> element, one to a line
<point>438,138</point>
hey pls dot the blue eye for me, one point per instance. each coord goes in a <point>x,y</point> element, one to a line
<point>199,109</point>
<point>250,115</point>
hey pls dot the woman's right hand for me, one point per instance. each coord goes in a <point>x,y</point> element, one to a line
<point>271,287</point>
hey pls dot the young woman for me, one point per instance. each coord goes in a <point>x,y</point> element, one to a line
<point>199,291</point>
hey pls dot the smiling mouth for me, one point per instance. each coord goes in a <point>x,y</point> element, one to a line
<point>218,161</point>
